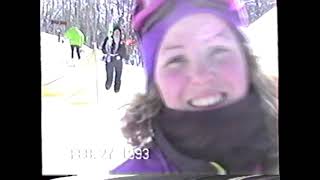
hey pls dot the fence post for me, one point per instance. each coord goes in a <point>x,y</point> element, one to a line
<point>96,66</point>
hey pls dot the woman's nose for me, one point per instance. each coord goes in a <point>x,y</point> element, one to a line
<point>201,73</point>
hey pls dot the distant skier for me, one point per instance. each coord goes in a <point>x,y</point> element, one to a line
<point>76,39</point>
<point>130,43</point>
<point>138,58</point>
<point>58,31</point>
<point>115,53</point>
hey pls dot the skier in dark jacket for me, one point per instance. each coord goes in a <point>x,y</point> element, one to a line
<point>115,53</point>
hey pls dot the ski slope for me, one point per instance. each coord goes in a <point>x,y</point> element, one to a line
<point>79,114</point>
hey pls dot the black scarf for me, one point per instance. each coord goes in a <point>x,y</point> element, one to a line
<point>234,136</point>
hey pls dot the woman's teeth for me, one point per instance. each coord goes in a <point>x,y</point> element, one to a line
<point>209,101</point>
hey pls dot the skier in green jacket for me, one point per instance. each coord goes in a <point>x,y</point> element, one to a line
<point>76,39</point>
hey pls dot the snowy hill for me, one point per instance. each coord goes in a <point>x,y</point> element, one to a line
<point>78,114</point>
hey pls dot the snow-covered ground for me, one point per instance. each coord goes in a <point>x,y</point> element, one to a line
<point>78,114</point>
<point>81,120</point>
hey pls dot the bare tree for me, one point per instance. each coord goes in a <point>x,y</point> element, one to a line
<point>92,16</point>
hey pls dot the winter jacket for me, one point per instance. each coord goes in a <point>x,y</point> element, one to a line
<point>160,167</point>
<point>75,36</point>
<point>122,51</point>
<point>156,163</point>
<point>163,158</point>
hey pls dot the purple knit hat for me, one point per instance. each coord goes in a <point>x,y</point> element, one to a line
<point>151,38</point>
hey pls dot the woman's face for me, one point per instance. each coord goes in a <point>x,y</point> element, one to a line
<point>116,35</point>
<point>200,65</point>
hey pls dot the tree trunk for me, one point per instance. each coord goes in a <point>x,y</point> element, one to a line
<point>94,31</point>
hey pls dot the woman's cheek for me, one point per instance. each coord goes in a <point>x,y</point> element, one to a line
<point>236,78</point>
<point>172,86</point>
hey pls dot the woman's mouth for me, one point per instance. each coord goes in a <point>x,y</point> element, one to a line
<point>209,101</point>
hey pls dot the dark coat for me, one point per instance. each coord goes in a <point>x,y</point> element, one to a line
<point>121,51</point>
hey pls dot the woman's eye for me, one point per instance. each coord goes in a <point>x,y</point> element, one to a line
<point>175,61</point>
<point>219,54</point>
<point>218,51</point>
